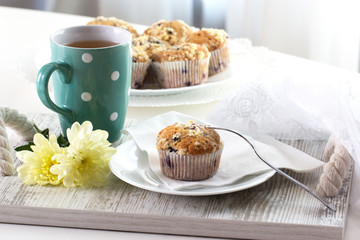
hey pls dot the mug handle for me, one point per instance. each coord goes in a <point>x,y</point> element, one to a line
<point>42,87</point>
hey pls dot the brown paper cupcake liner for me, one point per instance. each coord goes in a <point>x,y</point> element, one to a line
<point>181,73</point>
<point>219,60</point>
<point>138,74</point>
<point>189,168</point>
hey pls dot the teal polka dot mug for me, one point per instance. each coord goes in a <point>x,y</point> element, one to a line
<point>91,76</point>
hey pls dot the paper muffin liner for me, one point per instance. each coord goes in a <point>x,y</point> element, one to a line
<point>189,167</point>
<point>150,81</point>
<point>150,76</point>
<point>138,74</point>
<point>181,73</point>
<point>219,60</point>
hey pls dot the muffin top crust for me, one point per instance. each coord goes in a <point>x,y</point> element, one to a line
<point>150,44</point>
<point>182,52</point>
<point>188,139</point>
<point>139,55</point>
<point>210,37</point>
<point>113,21</point>
<point>173,32</point>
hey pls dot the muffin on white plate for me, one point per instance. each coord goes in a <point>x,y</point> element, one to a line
<point>174,32</point>
<point>183,65</point>
<point>140,64</point>
<point>151,45</point>
<point>189,152</point>
<point>216,41</point>
<point>113,21</point>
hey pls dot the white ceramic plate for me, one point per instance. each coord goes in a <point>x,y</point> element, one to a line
<point>211,82</point>
<point>124,166</point>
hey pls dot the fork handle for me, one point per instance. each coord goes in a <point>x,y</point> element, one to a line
<point>306,188</point>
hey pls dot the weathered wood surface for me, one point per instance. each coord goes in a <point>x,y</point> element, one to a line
<point>276,209</point>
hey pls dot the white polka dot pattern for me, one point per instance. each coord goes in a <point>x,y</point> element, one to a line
<point>115,75</point>
<point>87,58</point>
<point>114,116</point>
<point>86,97</point>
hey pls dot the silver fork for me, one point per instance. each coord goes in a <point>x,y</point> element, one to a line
<point>307,189</point>
<point>146,172</point>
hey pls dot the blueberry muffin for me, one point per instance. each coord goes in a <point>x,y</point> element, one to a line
<point>150,45</point>
<point>189,152</point>
<point>216,41</point>
<point>183,65</point>
<point>140,64</point>
<point>113,21</point>
<point>173,32</point>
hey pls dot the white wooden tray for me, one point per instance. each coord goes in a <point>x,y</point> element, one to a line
<point>276,209</point>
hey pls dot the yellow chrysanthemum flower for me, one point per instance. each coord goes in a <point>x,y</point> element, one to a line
<point>86,162</point>
<point>36,165</point>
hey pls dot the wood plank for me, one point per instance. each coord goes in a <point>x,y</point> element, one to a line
<point>276,209</point>
<point>166,225</point>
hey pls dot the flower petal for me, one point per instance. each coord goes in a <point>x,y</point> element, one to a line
<point>37,164</point>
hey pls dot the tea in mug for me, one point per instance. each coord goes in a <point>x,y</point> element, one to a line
<point>91,44</point>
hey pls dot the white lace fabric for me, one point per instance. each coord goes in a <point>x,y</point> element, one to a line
<point>298,99</point>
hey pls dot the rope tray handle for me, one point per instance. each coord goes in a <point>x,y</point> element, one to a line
<point>19,123</point>
<point>338,161</point>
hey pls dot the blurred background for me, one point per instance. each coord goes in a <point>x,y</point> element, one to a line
<point>327,31</point>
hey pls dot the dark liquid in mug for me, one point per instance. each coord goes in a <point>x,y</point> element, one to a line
<point>91,44</point>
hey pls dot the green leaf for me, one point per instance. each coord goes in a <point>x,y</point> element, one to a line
<point>36,128</point>
<point>44,132</point>
<point>62,141</point>
<point>25,147</point>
